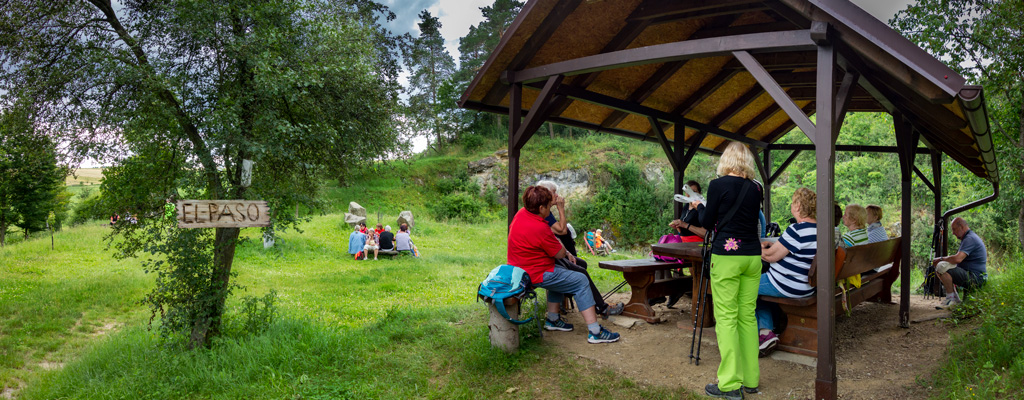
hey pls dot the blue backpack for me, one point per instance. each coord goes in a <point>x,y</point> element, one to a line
<point>503,282</point>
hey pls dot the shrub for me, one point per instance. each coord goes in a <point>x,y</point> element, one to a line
<point>258,313</point>
<point>91,207</point>
<point>461,206</point>
<point>471,142</point>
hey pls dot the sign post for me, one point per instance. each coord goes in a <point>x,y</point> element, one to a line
<point>223,214</point>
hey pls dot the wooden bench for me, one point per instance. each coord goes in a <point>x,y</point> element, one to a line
<point>646,284</point>
<point>801,333</point>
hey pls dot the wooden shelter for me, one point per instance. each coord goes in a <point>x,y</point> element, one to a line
<point>696,74</point>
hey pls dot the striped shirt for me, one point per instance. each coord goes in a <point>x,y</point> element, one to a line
<point>876,233</point>
<point>789,275</point>
<point>856,237</point>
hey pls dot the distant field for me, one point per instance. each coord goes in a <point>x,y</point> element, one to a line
<point>85,177</point>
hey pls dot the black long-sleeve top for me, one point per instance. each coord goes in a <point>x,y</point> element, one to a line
<point>739,237</point>
<point>692,218</point>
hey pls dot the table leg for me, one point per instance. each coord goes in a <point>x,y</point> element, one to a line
<point>638,306</point>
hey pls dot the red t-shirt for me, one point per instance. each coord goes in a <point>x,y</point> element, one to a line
<point>531,245</point>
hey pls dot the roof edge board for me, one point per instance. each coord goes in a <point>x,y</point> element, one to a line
<point>892,43</point>
<point>972,100</point>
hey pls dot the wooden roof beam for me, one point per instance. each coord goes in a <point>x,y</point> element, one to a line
<point>614,103</point>
<point>676,51</point>
<point>781,98</point>
<point>645,90</point>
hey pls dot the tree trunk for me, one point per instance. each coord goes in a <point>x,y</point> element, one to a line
<point>207,324</point>
<point>551,130</point>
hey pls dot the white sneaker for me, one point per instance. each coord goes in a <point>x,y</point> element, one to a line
<point>950,302</point>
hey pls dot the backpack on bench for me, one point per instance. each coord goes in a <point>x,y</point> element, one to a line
<point>503,282</point>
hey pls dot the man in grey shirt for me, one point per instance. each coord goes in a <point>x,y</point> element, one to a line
<point>966,268</point>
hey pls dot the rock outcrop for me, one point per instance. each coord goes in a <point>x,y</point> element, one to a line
<point>405,217</point>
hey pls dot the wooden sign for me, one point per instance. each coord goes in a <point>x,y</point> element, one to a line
<point>223,214</point>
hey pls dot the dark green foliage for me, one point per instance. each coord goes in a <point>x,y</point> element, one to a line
<point>462,206</point>
<point>259,313</point>
<point>636,210</point>
<point>459,199</point>
<point>31,182</point>
<point>89,208</point>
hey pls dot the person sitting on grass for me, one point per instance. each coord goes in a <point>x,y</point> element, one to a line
<point>855,219</point>
<point>356,242</point>
<point>790,259</point>
<point>533,247</point>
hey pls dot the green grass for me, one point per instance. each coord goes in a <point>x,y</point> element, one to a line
<point>988,361</point>
<point>393,328</point>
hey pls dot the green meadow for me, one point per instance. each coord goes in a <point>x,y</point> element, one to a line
<point>393,328</point>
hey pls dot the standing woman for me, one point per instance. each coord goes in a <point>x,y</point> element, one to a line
<point>735,269</point>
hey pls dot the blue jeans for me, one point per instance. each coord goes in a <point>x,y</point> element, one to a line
<point>763,312</point>
<point>562,281</point>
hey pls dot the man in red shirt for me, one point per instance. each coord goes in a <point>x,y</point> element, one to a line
<point>533,247</point>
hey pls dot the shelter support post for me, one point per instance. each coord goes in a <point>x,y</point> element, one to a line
<point>515,113</point>
<point>679,174</point>
<point>906,140</point>
<point>940,251</point>
<point>824,132</point>
<point>767,185</point>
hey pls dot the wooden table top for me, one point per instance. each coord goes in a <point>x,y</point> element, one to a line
<point>690,251</point>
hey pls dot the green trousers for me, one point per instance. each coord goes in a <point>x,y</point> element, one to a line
<point>734,284</point>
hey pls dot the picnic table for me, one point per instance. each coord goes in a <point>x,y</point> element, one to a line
<point>694,253</point>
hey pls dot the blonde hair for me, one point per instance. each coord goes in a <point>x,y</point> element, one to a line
<point>807,200</point>
<point>858,214</point>
<point>737,159</point>
<point>874,211</point>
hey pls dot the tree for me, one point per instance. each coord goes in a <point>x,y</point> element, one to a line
<point>30,179</point>
<point>982,40</point>
<point>477,45</point>
<point>180,92</point>
<point>430,66</point>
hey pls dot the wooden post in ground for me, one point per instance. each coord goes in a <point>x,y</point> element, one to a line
<point>504,334</point>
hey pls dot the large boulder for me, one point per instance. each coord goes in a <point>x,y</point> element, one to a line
<point>481,165</point>
<point>353,219</point>
<point>405,217</point>
<point>355,208</point>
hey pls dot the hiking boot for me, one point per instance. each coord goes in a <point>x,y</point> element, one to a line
<point>655,301</point>
<point>750,390</point>
<point>768,343</point>
<point>559,325</point>
<point>604,336</point>
<point>712,390</point>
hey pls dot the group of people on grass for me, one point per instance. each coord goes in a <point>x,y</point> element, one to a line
<point>744,329</point>
<point>363,240</point>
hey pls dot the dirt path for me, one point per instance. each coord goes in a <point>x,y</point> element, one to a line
<point>875,358</point>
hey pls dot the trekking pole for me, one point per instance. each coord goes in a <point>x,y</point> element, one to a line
<point>616,289</point>
<point>703,309</point>
<point>702,290</point>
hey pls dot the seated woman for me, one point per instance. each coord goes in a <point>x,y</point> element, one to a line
<point>688,226</point>
<point>790,259</point>
<point>855,219</point>
<point>876,233</point>
<point>533,247</point>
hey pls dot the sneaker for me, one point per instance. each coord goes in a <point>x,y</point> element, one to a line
<point>712,390</point>
<point>750,390</point>
<point>768,343</point>
<point>604,336</point>
<point>950,302</point>
<point>559,325</point>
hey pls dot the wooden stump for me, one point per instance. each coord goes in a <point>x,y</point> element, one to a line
<point>504,334</point>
